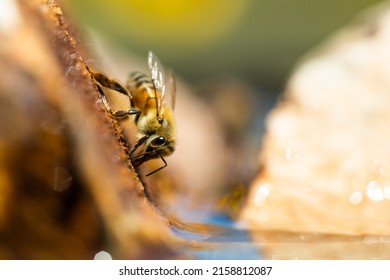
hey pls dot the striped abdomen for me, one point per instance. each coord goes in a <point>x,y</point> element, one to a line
<point>143,92</point>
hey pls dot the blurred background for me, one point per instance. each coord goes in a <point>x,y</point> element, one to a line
<point>63,192</point>
<point>255,40</point>
<point>231,59</point>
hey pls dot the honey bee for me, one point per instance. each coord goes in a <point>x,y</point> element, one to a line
<point>151,105</point>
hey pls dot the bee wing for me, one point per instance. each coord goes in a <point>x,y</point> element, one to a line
<point>158,77</point>
<point>170,97</point>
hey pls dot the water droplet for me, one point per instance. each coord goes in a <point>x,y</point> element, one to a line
<point>62,179</point>
<point>355,198</point>
<point>103,255</point>
<point>374,191</point>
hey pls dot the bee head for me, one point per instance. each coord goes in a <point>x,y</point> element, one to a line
<point>154,146</point>
<point>156,138</point>
<point>160,146</point>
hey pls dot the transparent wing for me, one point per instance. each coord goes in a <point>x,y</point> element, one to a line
<point>158,77</point>
<point>170,98</point>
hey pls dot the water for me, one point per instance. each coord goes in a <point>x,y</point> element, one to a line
<point>221,239</point>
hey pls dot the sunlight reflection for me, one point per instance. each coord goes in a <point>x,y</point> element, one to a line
<point>374,191</point>
<point>262,193</point>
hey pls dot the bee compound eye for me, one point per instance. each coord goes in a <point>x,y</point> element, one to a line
<point>159,141</point>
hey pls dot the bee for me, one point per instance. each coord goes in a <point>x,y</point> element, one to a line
<point>151,105</point>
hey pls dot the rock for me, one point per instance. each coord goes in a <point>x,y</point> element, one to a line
<point>325,160</point>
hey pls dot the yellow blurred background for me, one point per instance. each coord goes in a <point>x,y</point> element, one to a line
<point>258,41</point>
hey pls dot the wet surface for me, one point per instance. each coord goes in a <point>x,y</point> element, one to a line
<point>226,240</point>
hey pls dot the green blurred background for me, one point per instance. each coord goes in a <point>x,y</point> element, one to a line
<point>255,41</point>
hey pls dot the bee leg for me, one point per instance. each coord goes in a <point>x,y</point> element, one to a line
<point>139,143</point>
<point>118,114</point>
<point>121,114</point>
<point>104,99</point>
<point>112,84</point>
<point>108,83</point>
<point>158,169</point>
